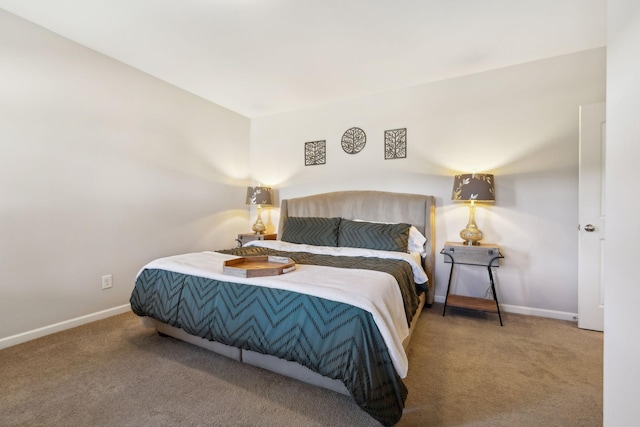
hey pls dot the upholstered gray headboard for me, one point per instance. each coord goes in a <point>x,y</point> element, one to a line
<point>415,209</point>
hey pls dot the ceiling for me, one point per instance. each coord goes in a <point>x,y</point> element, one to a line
<point>260,57</point>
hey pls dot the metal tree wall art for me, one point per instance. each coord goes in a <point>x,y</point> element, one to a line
<point>395,143</point>
<point>353,140</point>
<point>315,153</point>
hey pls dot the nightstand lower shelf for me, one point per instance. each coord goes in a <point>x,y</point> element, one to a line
<point>472,303</point>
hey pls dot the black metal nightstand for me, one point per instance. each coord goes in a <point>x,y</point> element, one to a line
<point>485,255</point>
<point>243,238</point>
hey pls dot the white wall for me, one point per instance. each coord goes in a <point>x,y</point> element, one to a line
<point>102,168</point>
<point>520,123</point>
<point>622,286</point>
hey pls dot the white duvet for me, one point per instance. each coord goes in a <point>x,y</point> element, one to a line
<point>380,296</point>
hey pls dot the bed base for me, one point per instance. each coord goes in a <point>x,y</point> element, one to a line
<point>266,361</point>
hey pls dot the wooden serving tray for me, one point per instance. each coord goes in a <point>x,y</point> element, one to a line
<point>258,266</point>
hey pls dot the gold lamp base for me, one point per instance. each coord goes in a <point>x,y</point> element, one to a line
<point>259,227</point>
<point>471,235</point>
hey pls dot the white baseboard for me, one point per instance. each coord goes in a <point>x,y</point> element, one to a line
<point>61,326</point>
<point>530,311</point>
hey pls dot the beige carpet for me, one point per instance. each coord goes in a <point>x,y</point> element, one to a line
<point>465,370</point>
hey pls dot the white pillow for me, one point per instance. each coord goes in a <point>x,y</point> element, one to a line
<point>416,241</point>
<point>416,238</point>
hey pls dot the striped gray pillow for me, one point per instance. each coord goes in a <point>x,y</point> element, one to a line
<point>311,230</point>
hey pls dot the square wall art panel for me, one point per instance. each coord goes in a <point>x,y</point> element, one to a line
<point>395,144</point>
<point>315,153</point>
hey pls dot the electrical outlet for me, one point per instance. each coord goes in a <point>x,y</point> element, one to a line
<point>107,281</point>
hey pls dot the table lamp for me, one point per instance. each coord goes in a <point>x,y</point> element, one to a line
<point>259,196</point>
<point>473,187</point>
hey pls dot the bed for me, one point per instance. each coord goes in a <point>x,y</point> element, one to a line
<point>341,320</point>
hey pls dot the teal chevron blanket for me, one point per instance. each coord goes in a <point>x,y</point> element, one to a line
<point>334,339</point>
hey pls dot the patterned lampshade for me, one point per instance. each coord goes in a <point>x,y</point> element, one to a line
<point>473,186</point>
<point>259,196</point>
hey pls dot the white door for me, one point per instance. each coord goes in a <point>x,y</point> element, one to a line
<point>591,217</point>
